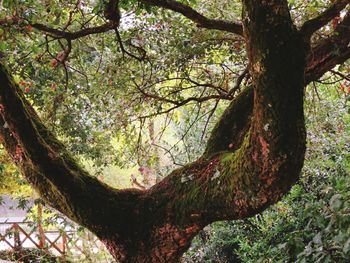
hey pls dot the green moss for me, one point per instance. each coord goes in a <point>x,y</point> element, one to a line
<point>231,171</point>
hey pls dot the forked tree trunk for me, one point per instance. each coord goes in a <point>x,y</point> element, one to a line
<point>253,157</point>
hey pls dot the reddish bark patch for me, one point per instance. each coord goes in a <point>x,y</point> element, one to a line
<point>18,157</point>
<point>264,148</point>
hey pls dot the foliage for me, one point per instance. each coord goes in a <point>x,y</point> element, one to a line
<point>311,224</point>
<point>11,182</point>
<point>99,94</point>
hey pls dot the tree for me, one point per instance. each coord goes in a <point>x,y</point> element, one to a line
<point>252,158</point>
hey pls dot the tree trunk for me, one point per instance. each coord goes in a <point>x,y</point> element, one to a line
<point>253,157</point>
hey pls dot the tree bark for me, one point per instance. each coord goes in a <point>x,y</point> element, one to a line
<point>253,157</point>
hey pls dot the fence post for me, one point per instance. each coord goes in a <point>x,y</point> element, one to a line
<point>64,243</point>
<point>16,237</point>
<point>40,226</point>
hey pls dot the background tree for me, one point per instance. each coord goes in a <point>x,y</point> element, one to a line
<point>254,153</point>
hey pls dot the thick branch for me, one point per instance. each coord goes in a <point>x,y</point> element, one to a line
<point>330,52</point>
<point>113,15</point>
<point>320,59</point>
<point>196,17</point>
<point>53,172</point>
<point>239,183</point>
<point>312,25</point>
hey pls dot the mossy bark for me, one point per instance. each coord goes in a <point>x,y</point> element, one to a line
<point>253,157</point>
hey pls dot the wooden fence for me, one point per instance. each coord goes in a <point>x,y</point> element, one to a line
<point>19,235</point>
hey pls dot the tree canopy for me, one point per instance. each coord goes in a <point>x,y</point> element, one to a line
<point>99,75</point>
